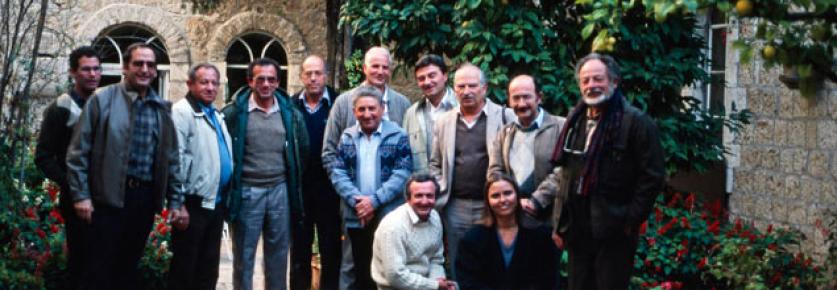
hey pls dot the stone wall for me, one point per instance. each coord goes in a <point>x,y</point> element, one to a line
<point>192,37</point>
<point>785,161</point>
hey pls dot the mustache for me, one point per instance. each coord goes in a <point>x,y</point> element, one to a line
<point>595,90</point>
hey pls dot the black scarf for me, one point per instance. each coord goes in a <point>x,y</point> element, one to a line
<point>607,131</point>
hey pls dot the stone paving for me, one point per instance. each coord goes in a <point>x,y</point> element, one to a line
<point>225,269</point>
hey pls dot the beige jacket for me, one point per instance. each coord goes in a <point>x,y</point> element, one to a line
<point>545,139</point>
<point>444,138</point>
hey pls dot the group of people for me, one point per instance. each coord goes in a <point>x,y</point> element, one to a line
<point>450,192</point>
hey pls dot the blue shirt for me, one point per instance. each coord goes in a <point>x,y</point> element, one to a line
<point>223,152</point>
<point>367,161</point>
<point>507,252</point>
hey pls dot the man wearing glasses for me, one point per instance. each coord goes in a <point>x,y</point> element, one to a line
<point>610,169</point>
<point>121,163</point>
<point>50,155</point>
<point>270,144</point>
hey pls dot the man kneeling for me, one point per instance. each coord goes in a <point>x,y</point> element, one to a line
<point>408,252</point>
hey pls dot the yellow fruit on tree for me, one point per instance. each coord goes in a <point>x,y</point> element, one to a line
<point>768,52</point>
<point>744,7</point>
<point>611,41</point>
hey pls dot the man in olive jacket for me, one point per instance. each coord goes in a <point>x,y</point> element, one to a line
<point>266,193</point>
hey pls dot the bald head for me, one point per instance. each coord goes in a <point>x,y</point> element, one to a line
<point>376,67</point>
<point>313,77</point>
<point>524,99</point>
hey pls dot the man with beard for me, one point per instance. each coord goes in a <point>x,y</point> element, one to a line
<point>610,169</point>
<point>50,155</point>
<point>461,141</point>
<point>122,163</point>
<point>431,75</point>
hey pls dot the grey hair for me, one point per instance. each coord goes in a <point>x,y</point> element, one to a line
<point>483,79</point>
<point>612,67</point>
<point>367,91</point>
<point>193,72</point>
<point>420,177</point>
<point>377,48</point>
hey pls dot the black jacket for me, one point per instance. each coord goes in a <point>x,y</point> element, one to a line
<point>480,265</point>
<point>631,175</point>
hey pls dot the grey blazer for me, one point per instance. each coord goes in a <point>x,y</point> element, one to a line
<point>341,117</point>
<point>444,138</point>
<point>545,139</point>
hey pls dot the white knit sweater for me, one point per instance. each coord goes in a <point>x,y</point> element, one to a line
<point>408,253</point>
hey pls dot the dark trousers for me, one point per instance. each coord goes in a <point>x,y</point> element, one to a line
<point>324,212</point>
<point>76,232</point>
<point>117,240</point>
<point>362,254</point>
<point>197,249</point>
<point>601,264</point>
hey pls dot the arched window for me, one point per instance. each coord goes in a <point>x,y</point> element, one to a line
<point>246,48</point>
<point>111,45</point>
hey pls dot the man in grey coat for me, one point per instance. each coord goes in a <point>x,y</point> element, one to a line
<point>431,76</point>
<point>461,141</point>
<point>122,162</point>
<point>377,68</point>
<point>527,141</point>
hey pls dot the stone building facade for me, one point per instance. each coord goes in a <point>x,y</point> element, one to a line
<point>784,164</point>
<point>296,29</point>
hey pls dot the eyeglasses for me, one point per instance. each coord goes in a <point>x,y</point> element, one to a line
<point>89,69</point>
<point>269,80</point>
<point>139,63</point>
<point>570,140</point>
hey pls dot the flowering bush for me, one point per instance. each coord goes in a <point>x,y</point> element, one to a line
<point>688,245</point>
<point>31,232</point>
<point>154,265</point>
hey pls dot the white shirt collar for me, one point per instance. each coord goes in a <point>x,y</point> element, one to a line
<point>378,131</point>
<point>325,96</point>
<point>252,105</point>
<point>538,119</point>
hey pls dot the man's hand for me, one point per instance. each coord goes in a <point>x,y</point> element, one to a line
<point>363,206</point>
<point>84,210</point>
<point>446,284</point>
<point>559,242</point>
<point>179,218</point>
<point>528,206</point>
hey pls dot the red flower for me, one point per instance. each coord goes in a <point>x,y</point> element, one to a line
<point>643,227</point>
<point>651,242</point>
<point>769,228</point>
<point>738,225</point>
<point>162,228</point>
<point>647,263</point>
<point>690,201</point>
<point>30,213</point>
<point>674,200</point>
<point>52,190</point>
<point>658,214</point>
<point>715,208</point>
<point>165,214</point>
<point>667,226</point>
<point>684,222</point>
<point>658,269</point>
<point>702,263</point>
<point>772,246</point>
<point>41,233</point>
<point>54,228</point>
<point>56,216</point>
<point>714,228</point>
